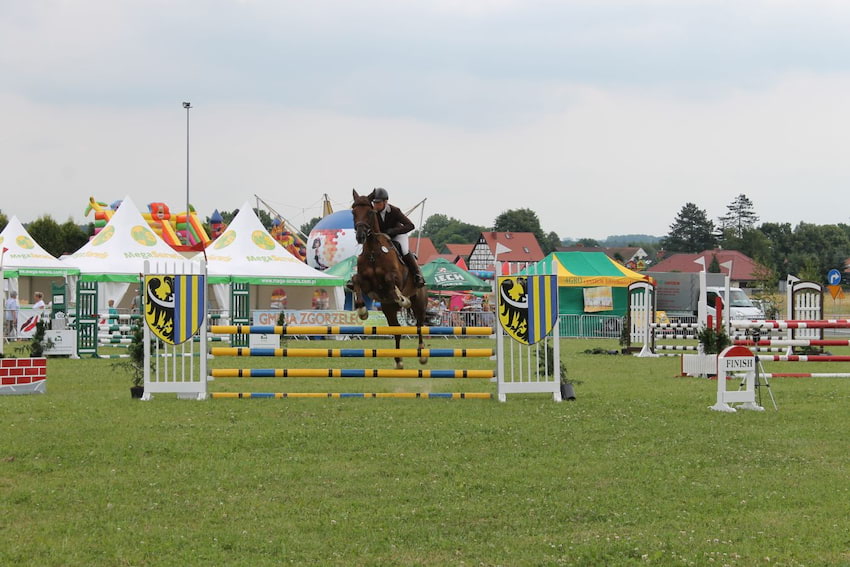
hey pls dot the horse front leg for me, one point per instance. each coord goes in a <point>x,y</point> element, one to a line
<point>359,302</point>
<point>400,298</point>
<point>422,358</point>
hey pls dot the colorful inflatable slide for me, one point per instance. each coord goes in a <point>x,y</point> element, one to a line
<point>289,239</point>
<point>102,213</point>
<point>175,229</point>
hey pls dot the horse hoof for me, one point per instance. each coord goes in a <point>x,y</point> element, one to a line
<point>363,314</point>
<point>399,365</point>
<point>423,360</point>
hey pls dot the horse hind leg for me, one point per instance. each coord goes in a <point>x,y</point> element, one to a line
<point>399,362</point>
<point>420,302</point>
<point>391,313</point>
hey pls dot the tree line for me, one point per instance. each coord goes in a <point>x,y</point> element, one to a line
<point>806,250</point>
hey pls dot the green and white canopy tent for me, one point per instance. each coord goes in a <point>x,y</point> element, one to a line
<point>343,269</point>
<point>247,254</point>
<point>115,256</point>
<point>442,275</point>
<point>27,267</point>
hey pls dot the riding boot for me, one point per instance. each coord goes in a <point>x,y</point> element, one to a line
<point>413,266</point>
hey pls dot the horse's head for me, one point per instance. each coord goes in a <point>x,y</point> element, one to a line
<point>365,219</point>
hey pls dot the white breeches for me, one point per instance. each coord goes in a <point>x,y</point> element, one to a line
<point>402,240</point>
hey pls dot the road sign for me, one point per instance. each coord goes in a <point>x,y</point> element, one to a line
<point>833,277</point>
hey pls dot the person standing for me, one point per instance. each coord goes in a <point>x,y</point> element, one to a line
<point>39,302</point>
<point>11,308</point>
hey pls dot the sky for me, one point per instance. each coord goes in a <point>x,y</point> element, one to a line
<point>602,116</point>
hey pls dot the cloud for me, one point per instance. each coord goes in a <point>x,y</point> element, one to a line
<point>603,116</point>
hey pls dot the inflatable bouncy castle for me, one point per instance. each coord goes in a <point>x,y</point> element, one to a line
<point>289,239</point>
<point>178,230</point>
<point>102,213</point>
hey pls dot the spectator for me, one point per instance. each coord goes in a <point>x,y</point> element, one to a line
<point>11,307</point>
<point>136,300</point>
<point>112,311</point>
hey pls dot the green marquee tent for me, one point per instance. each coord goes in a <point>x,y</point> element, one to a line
<point>588,282</point>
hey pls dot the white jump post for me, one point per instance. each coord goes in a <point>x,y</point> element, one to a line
<point>531,321</point>
<point>735,360</point>
<point>177,317</point>
<point>641,316</point>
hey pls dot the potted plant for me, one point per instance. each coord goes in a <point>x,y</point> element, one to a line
<point>711,342</point>
<point>548,362</point>
<point>137,364</point>
<point>37,342</point>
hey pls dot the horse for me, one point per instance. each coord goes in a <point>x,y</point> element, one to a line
<point>382,275</point>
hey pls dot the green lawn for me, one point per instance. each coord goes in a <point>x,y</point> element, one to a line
<point>636,471</point>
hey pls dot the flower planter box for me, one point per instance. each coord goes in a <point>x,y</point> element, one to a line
<point>23,376</point>
<point>702,365</point>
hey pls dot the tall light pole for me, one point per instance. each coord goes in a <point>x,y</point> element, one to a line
<point>187,106</point>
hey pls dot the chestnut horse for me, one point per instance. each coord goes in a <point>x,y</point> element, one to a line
<point>382,275</point>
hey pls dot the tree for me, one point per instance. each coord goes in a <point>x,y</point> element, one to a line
<point>47,233</point>
<point>265,219</point>
<point>780,237</point>
<point>307,227</point>
<point>227,216</point>
<point>74,237</point>
<point>524,220</point>
<point>551,242</point>
<point>587,242</point>
<point>714,265</point>
<point>443,230</point>
<point>739,216</point>
<point>691,232</point>
<point>824,247</point>
<point>4,220</point>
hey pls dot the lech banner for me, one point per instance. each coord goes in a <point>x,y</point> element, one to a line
<point>527,306</point>
<point>174,306</point>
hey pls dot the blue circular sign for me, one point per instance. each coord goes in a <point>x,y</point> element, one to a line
<point>833,277</point>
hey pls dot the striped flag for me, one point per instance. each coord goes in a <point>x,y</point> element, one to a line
<point>542,306</point>
<point>174,306</point>
<point>528,306</point>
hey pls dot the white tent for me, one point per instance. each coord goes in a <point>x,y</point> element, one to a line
<point>24,257</point>
<point>24,261</point>
<point>115,256</point>
<point>246,253</point>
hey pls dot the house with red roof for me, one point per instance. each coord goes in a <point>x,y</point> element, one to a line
<point>461,250</point>
<point>516,250</point>
<point>745,270</point>
<point>424,249</point>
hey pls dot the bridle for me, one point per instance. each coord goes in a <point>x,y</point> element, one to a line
<point>365,225</point>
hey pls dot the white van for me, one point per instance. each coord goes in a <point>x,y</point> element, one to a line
<point>741,306</point>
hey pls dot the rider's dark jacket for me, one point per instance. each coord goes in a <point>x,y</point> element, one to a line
<point>393,222</point>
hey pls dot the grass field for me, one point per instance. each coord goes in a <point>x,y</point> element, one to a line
<point>636,471</point>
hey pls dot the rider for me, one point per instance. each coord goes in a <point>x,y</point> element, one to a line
<point>396,225</point>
